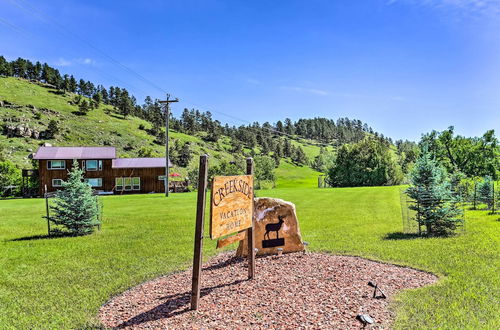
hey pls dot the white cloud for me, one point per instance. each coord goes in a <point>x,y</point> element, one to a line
<point>63,62</point>
<point>464,7</point>
<point>88,61</point>
<point>253,81</point>
<point>305,90</point>
<point>70,62</point>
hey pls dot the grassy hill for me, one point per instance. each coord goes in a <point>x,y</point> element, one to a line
<point>103,126</point>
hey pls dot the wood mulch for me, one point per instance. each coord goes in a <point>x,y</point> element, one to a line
<point>291,291</point>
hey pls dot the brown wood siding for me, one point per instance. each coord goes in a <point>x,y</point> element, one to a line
<point>149,177</point>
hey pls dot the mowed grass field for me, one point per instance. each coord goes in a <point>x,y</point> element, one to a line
<point>62,282</point>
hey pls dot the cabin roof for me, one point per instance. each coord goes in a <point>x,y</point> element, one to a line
<point>75,153</point>
<point>139,162</point>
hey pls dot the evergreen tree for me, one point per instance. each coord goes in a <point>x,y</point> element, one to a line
<point>289,127</point>
<point>299,157</point>
<point>185,155</point>
<point>82,87</point>
<point>4,66</point>
<point>431,190</point>
<point>277,159</point>
<point>37,71</point>
<point>279,126</point>
<point>124,104</point>
<point>84,106</point>
<point>485,192</point>
<point>47,73</point>
<point>97,97</point>
<point>75,208</point>
<point>52,129</point>
<point>72,84</point>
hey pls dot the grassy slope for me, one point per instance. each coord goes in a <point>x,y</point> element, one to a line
<point>53,283</point>
<point>292,176</point>
<point>97,127</point>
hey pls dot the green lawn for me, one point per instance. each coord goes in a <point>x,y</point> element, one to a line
<point>292,176</point>
<point>60,283</point>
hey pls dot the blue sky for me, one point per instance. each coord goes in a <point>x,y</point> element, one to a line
<point>403,66</point>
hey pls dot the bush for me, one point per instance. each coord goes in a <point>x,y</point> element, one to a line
<point>10,175</point>
<point>146,151</point>
<point>75,208</point>
<point>367,163</point>
<point>264,172</point>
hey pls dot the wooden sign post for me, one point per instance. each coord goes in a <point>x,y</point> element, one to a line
<point>250,233</point>
<point>198,236</point>
<point>231,211</point>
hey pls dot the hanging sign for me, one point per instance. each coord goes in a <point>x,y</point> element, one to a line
<point>231,205</point>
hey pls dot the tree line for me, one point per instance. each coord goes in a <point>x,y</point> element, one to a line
<point>270,139</point>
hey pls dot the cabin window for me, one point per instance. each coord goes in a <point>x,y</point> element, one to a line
<point>93,165</point>
<point>136,183</point>
<point>119,184</point>
<point>57,182</point>
<point>94,182</point>
<point>127,183</point>
<point>56,164</point>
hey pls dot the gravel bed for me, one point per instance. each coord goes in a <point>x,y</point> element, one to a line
<point>291,291</point>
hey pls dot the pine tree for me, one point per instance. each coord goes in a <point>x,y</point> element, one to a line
<point>431,190</point>
<point>75,208</point>
<point>299,157</point>
<point>52,129</point>
<point>485,192</point>
<point>84,107</point>
<point>124,104</point>
<point>185,155</point>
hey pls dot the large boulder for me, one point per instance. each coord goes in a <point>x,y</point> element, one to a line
<point>275,226</point>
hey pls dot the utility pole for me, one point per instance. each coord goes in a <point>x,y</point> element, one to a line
<point>167,156</point>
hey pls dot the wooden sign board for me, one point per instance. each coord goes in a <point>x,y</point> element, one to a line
<point>231,205</point>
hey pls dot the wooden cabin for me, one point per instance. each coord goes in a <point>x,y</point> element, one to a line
<point>102,170</point>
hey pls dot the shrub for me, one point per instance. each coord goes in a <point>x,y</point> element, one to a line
<point>367,163</point>
<point>264,171</point>
<point>10,175</point>
<point>146,151</point>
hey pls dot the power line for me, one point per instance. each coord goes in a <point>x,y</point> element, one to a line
<point>100,72</point>
<point>46,18</point>
<point>12,26</point>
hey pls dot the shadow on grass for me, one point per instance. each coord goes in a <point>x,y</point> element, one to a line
<point>116,116</point>
<point>37,237</point>
<point>78,113</point>
<point>400,236</point>
<point>57,92</point>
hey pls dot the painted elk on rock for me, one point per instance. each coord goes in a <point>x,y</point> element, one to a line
<point>274,227</point>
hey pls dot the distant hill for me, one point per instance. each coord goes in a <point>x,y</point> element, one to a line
<point>27,108</point>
